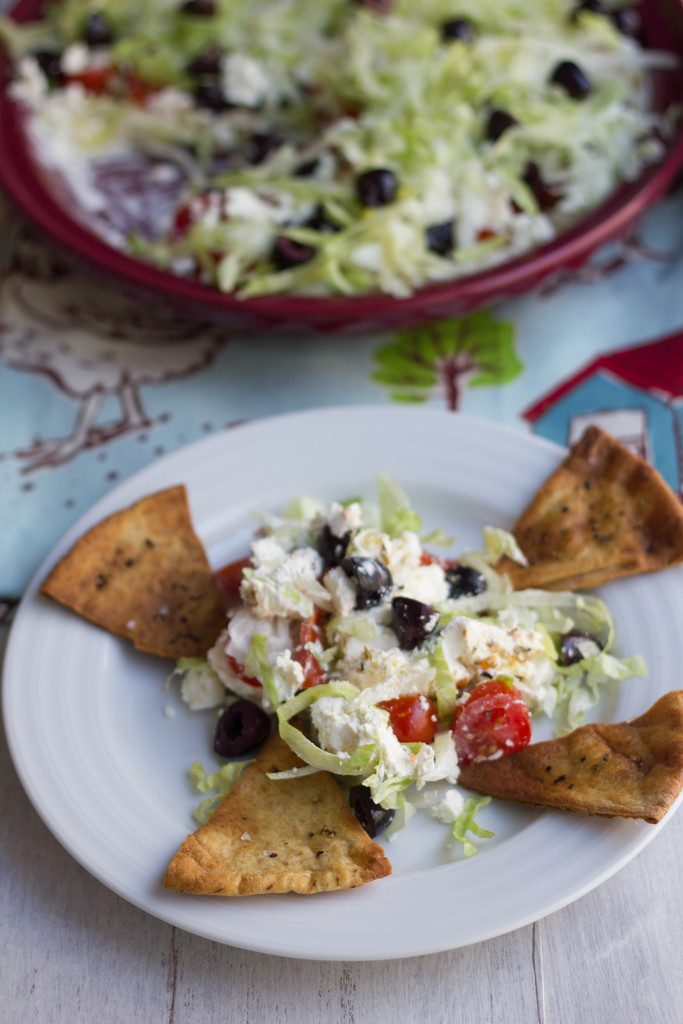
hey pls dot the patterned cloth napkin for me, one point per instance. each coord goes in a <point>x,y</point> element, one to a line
<point>94,385</point>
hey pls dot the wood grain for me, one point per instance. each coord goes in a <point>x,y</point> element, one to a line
<point>71,952</point>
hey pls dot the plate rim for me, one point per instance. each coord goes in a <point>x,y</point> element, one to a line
<point>108,503</point>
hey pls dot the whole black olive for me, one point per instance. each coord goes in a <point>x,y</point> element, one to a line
<point>377,187</point>
<point>331,547</point>
<point>210,95</point>
<point>628,21</point>
<point>373,580</point>
<point>307,168</point>
<point>373,818</point>
<point>208,62</point>
<point>50,63</point>
<point>593,6</point>
<point>199,8</point>
<point>412,621</point>
<point>545,196</point>
<point>569,647</point>
<point>319,221</point>
<point>286,253</point>
<point>97,31</point>
<point>440,238</point>
<point>261,145</point>
<point>457,30</point>
<point>464,581</point>
<point>242,727</point>
<point>499,121</point>
<point>573,79</point>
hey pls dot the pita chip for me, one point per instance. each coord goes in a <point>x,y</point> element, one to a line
<point>604,513</point>
<point>628,770</point>
<point>143,574</point>
<point>294,835</point>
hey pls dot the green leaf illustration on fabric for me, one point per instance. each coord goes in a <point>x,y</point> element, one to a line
<point>440,354</point>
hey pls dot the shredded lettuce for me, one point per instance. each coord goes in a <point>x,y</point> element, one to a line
<point>294,773</point>
<point>444,683</point>
<point>499,542</point>
<point>354,624</point>
<point>303,508</point>
<point>403,812</point>
<point>396,515</point>
<point>221,780</point>
<point>257,664</point>
<point>465,823</point>
<point>354,764</point>
<point>578,686</point>
<point>437,538</point>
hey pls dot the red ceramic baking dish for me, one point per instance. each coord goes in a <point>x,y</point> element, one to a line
<point>21,177</point>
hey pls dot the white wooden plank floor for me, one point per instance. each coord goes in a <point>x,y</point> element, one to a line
<point>71,952</point>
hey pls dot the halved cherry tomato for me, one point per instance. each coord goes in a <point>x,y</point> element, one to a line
<point>310,631</point>
<point>194,209</point>
<point>494,718</point>
<point>229,578</point>
<point>94,80</point>
<point>138,90</point>
<point>412,717</point>
<point>240,673</point>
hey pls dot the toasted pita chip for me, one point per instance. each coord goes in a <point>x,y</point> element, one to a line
<point>628,770</point>
<point>604,513</point>
<point>143,574</point>
<point>296,835</point>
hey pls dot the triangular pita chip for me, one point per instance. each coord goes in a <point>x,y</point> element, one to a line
<point>267,835</point>
<point>628,770</point>
<point>143,574</point>
<point>604,513</point>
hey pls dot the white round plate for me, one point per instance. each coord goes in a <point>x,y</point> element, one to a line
<point>107,770</point>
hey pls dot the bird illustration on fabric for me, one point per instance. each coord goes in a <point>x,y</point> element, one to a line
<point>93,345</point>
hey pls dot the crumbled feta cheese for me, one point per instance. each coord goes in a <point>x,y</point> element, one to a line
<point>29,84</point>
<point>246,81</point>
<point>472,648</point>
<point>449,807</point>
<point>242,627</point>
<point>245,837</point>
<point>169,101</point>
<point>267,551</point>
<point>436,762</point>
<point>384,674</point>
<point>342,518</point>
<point>288,675</point>
<point>341,590</point>
<point>403,557</point>
<point>426,583</point>
<point>289,588</point>
<point>75,58</point>
<point>243,203</point>
<point>201,688</point>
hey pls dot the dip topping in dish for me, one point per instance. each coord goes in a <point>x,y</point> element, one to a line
<point>343,147</point>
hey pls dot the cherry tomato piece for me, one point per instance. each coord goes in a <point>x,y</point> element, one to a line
<point>94,80</point>
<point>138,90</point>
<point>240,672</point>
<point>412,717</point>
<point>314,673</point>
<point>310,632</point>
<point>229,578</point>
<point>494,718</point>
